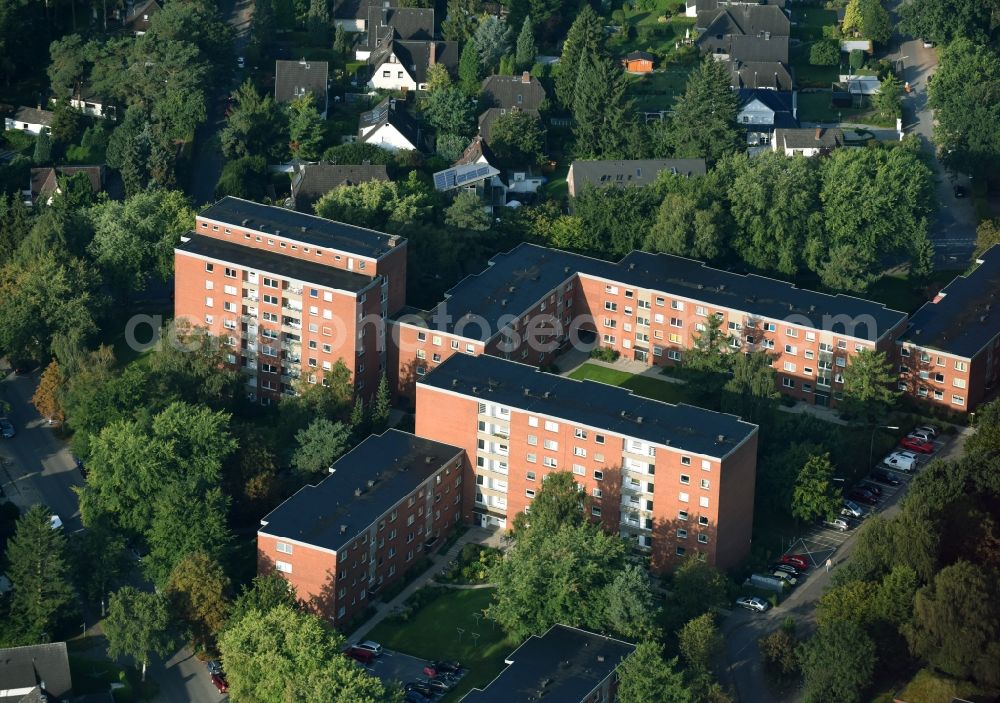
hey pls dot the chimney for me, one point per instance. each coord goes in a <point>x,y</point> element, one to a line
<point>432,53</point>
<point>819,131</point>
<point>526,77</point>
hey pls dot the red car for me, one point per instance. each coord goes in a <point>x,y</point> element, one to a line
<point>365,656</point>
<point>796,560</point>
<point>430,671</point>
<point>219,681</point>
<point>916,445</point>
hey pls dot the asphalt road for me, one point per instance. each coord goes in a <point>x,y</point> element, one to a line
<point>41,468</point>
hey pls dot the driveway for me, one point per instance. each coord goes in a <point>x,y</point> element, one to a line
<point>208,160</point>
<point>183,678</point>
<point>40,469</point>
<point>954,230</point>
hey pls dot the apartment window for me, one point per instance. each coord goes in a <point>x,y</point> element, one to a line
<point>270,282</point>
<point>549,462</point>
<point>209,267</point>
<point>229,307</point>
<point>706,465</point>
<point>904,351</point>
<point>958,383</point>
<point>957,400</point>
<point>610,306</point>
<point>682,514</point>
<point>789,349</point>
<point>209,319</point>
<point>531,458</point>
<point>270,299</point>
<point>421,336</point>
<point>788,382</point>
<point>209,285</point>
<point>598,475</point>
<point>680,551</point>
<point>703,539</point>
<point>706,484</point>
<point>673,355</point>
<point>283,547</point>
<point>532,440</point>
<point>961,366</point>
<point>579,451</point>
<point>599,438</point>
<point>551,426</point>
<point>529,493</point>
<point>683,497</point>
<point>703,520</point>
<point>580,434</point>
<point>454,345</point>
<point>685,461</point>
<point>209,302</point>
<point>685,479</point>
<point>613,290</point>
<point>530,476</point>
<point>579,470</point>
<point>532,421</point>
<point>283,566</point>
<point>595,511</point>
<point>703,501</point>
<point>676,322</point>
<point>789,366</point>
<point>682,533</point>
<point>597,493</point>
<point>551,444</point>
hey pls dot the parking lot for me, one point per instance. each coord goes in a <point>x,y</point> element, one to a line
<point>399,668</point>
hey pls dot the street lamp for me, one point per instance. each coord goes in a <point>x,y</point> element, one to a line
<point>871,445</point>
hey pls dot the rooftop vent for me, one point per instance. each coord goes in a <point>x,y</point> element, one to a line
<point>720,438</point>
<point>244,221</point>
<point>358,492</point>
<point>548,394</point>
<point>639,419</point>
<point>631,266</point>
<point>454,383</point>
<point>475,389</point>
<point>428,459</point>
<point>600,658</point>
<point>343,529</point>
<point>371,483</point>
<point>527,391</point>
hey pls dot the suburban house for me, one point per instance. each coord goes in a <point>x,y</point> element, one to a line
<point>770,75</point>
<point>403,65</point>
<point>693,7</point>
<point>352,15</point>
<point>475,171</point>
<point>763,111</point>
<point>35,674</point>
<point>293,79</point>
<point>807,142</point>
<point>627,172</point>
<point>137,17</point>
<point>638,62</point>
<point>746,33</point>
<point>390,126</point>
<point>45,182</point>
<point>31,120</point>
<point>949,355</point>
<point>387,24</point>
<point>383,505</point>
<point>501,94</point>
<point>565,665</point>
<point>88,103</point>
<point>312,181</point>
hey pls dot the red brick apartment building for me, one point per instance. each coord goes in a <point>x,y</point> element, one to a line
<point>289,294</point>
<point>565,664</point>
<point>674,480</point>
<point>364,525</point>
<point>949,355</point>
<point>649,307</point>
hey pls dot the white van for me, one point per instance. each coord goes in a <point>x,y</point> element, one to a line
<point>901,461</point>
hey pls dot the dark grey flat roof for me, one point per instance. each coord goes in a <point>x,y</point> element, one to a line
<point>278,264</point>
<point>397,461</point>
<point>308,229</point>
<point>967,317</point>
<point>518,279</point>
<point>590,403</point>
<point>562,666</point>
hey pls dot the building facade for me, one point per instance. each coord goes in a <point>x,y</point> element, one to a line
<point>672,480</point>
<point>361,528</point>
<point>290,295</point>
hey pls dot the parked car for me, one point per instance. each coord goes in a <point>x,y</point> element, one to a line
<point>851,509</point>
<point>933,430</point>
<point>415,697</point>
<point>885,477</point>
<point>872,487</point>
<point>420,688</point>
<point>787,568</point>
<point>797,560</point>
<point>928,44</point>
<point>901,461</point>
<point>373,647</point>
<point>922,434</point>
<point>240,62</point>
<point>448,667</point>
<point>836,523</point>
<point>438,685</point>
<point>430,671</point>
<point>916,445</point>
<point>219,681</point>
<point>55,522</point>
<point>757,605</point>
<point>6,428</point>
<point>787,578</point>
<point>961,191</point>
<point>862,496</point>
<point>364,656</point>
<point>214,666</point>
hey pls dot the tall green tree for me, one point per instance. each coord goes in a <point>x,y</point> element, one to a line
<point>254,126</point>
<point>186,521</point>
<point>815,496</point>
<point>837,663</point>
<point>869,386</point>
<point>319,445</point>
<point>944,21</point>
<point>887,101</point>
<point>138,625</point>
<point>319,22</point>
<point>752,392</point>
<point>526,50</point>
<point>585,38</point>
<point>469,70</point>
<point>43,149</point>
<point>492,40</point>
<point>604,117</point>
<point>630,607</point>
<point>39,574</point>
<point>704,120</point>
<point>700,642</point>
<point>875,21</point>
<point>198,591</point>
<point>305,128</point>
<point>467,212</point>
<point>283,654</point>
<point>557,503</point>
<point>646,676</point>
<point>517,139</point>
<point>460,20</point>
<point>451,111</point>
<point>382,406</point>
<point>265,592</point>
<point>708,361</point>
<point>692,219</point>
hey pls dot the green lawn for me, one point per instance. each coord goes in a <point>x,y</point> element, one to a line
<point>658,90</point>
<point>807,75</point>
<point>645,386</point>
<point>809,23</point>
<point>431,633</point>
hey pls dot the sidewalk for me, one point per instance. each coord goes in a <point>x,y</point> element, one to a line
<point>475,535</point>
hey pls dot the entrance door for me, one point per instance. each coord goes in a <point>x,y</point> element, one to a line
<point>822,399</point>
<point>641,354</point>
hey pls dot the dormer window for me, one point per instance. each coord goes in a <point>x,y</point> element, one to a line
<point>520,99</point>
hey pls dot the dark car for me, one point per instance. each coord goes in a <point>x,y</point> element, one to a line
<point>421,688</point>
<point>787,568</point>
<point>219,681</point>
<point>214,667</point>
<point>415,697</point>
<point>861,496</point>
<point>365,656</point>
<point>885,477</point>
<point>871,488</point>
<point>438,685</point>
<point>6,428</point>
<point>961,191</point>
<point>448,667</point>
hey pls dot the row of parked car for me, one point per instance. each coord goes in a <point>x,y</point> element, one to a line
<point>439,676</point>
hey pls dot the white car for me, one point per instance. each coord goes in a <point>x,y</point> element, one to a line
<point>757,605</point>
<point>55,522</point>
<point>836,524</point>
<point>922,435</point>
<point>901,461</point>
<point>241,62</point>
<point>932,430</point>
<point>786,577</point>
<point>373,647</point>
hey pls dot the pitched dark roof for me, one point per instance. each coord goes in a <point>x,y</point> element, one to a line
<point>476,150</point>
<point>33,115</point>
<point>758,49</point>
<point>516,280</point>
<point>31,666</point>
<point>398,462</point>
<point>392,112</point>
<point>746,32</point>
<point>966,316</point>
<point>358,9</point>
<point>308,229</point>
<point>715,5</point>
<point>277,264</point>
<point>415,56</point>
<point>313,181</point>
<point>623,172</point>
<point>524,92</point>
<point>750,20</point>
<point>589,403</point>
<point>809,138</point>
<point>776,100</point>
<point>44,181</point>
<point>292,79</point>
<point>564,665</point>
<point>488,119</point>
<point>759,74</point>
<point>408,23</point>
<point>135,16</point>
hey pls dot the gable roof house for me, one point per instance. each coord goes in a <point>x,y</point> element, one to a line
<point>38,673</point>
<point>807,142</point>
<point>293,79</point>
<point>403,65</point>
<point>500,94</point>
<point>693,7</point>
<point>747,33</point>
<point>312,181</point>
<point>138,17</point>
<point>89,103</point>
<point>770,75</point>
<point>475,171</point>
<point>761,112</point>
<point>627,172</point>
<point>352,15</point>
<point>30,119</point>
<point>386,24</point>
<point>389,125</point>
<point>44,184</point>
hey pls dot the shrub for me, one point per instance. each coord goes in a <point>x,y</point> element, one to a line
<point>825,52</point>
<point>857,59</point>
<point>604,354</point>
<point>17,140</point>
